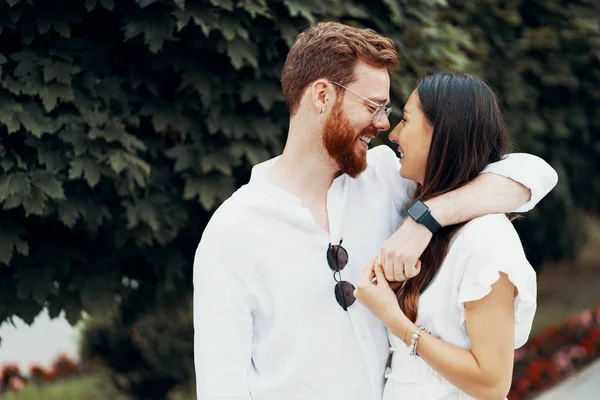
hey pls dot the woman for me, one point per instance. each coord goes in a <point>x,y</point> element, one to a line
<point>453,328</point>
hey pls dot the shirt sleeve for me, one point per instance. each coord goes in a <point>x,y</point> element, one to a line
<point>387,167</point>
<point>488,246</point>
<point>530,171</point>
<point>222,324</point>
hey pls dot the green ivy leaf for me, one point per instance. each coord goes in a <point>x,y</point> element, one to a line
<point>224,4</point>
<point>27,62</point>
<point>70,211</point>
<point>266,92</point>
<point>255,8</point>
<point>240,52</point>
<point>146,3</point>
<point>119,161</point>
<point>255,154</point>
<point>219,161</point>
<point>301,8</point>
<point>184,156</point>
<point>52,92</point>
<point>33,120</point>
<point>87,167</point>
<point>34,203</point>
<point>52,159</point>
<point>108,4</point>
<point>27,310</point>
<point>48,184</point>
<point>90,5</point>
<point>204,17</point>
<point>155,28</point>
<point>142,211</point>
<point>115,132</point>
<point>34,282</point>
<point>58,18</point>
<point>209,190</point>
<point>396,12</point>
<point>9,112</point>
<point>198,80</point>
<point>11,241</point>
<point>15,184</point>
<point>60,71</point>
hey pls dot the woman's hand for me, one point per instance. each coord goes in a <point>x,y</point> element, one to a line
<point>375,293</point>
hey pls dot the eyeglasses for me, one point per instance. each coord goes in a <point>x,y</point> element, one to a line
<point>379,111</point>
<point>337,258</point>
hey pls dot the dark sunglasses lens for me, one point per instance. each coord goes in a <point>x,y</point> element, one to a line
<point>337,257</point>
<point>344,294</point>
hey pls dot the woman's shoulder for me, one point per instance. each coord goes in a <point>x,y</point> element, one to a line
<point>492,228</point>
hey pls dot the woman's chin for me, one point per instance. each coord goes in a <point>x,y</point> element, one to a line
<point>404,172</point>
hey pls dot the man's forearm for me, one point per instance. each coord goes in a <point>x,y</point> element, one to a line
<point>487,194</point>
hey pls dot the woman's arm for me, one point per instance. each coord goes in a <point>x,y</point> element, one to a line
<point>485,371</point>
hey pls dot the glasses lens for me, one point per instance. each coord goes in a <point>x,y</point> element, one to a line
<point>337,257</point>
<point>380,112</point>
<point>344,294</point>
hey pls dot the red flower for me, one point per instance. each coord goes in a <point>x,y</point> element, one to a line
<point>63,366</point>
<point>590,348</point>
<point>10,370</point>
<point>594,335</point>
<point>523,386</point>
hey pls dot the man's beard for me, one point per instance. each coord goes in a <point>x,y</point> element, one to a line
<point>339,140</point>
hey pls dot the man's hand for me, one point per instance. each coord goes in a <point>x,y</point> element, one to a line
<point>374,292</point>
<point>400,252</point>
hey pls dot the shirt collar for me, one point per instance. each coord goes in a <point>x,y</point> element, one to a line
<point>258,180</point>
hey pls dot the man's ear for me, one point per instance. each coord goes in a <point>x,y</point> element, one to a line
<point>320,95</point>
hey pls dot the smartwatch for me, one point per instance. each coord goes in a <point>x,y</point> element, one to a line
<point>421,214</point>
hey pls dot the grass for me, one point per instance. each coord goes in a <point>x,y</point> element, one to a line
<point>568,288</point>
<point>85,388</point>
<point>91,387</point>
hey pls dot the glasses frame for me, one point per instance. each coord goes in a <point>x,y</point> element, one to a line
<point>381,108</point>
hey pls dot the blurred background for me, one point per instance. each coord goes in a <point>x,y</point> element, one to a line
<point>124,124</point>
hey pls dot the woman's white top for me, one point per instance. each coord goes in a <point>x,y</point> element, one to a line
<point>479,251</point>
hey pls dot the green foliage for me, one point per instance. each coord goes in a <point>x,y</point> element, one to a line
<point>124,124</point>
<point>116,147</point>
<point>148,358</point>
<point>543,58</point>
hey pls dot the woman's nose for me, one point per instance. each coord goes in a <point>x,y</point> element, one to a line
<point>395,134</point>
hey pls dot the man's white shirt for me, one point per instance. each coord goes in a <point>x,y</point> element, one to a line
<point>267,325</point>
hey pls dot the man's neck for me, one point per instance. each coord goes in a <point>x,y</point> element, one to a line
<point>304,168</point>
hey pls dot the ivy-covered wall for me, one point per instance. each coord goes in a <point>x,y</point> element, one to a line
<point>124,124</point>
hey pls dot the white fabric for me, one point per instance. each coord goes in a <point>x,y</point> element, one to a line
<point>482,249</point>
<point>267,326</point>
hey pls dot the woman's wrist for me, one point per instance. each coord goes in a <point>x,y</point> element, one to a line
<point>399,325</point>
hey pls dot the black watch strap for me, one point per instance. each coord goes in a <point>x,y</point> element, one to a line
<point>421,214</point>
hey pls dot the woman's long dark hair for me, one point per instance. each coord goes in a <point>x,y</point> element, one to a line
<point>468,134</point>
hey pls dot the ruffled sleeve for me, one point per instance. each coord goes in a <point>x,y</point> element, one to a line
<point>488,246</point>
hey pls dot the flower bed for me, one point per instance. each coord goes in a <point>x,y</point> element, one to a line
<point>11,378</point>
<point>555,354</point>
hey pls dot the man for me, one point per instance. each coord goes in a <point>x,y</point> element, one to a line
<point>270,321</point>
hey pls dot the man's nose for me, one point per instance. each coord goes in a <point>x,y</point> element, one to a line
<point>383,123</point>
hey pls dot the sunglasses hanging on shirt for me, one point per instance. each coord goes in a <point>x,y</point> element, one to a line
<point>337,258</point>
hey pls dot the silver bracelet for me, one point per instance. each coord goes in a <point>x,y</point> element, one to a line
<point>415,339</point>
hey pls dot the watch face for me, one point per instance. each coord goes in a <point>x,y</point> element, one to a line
<point>417,210</point>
